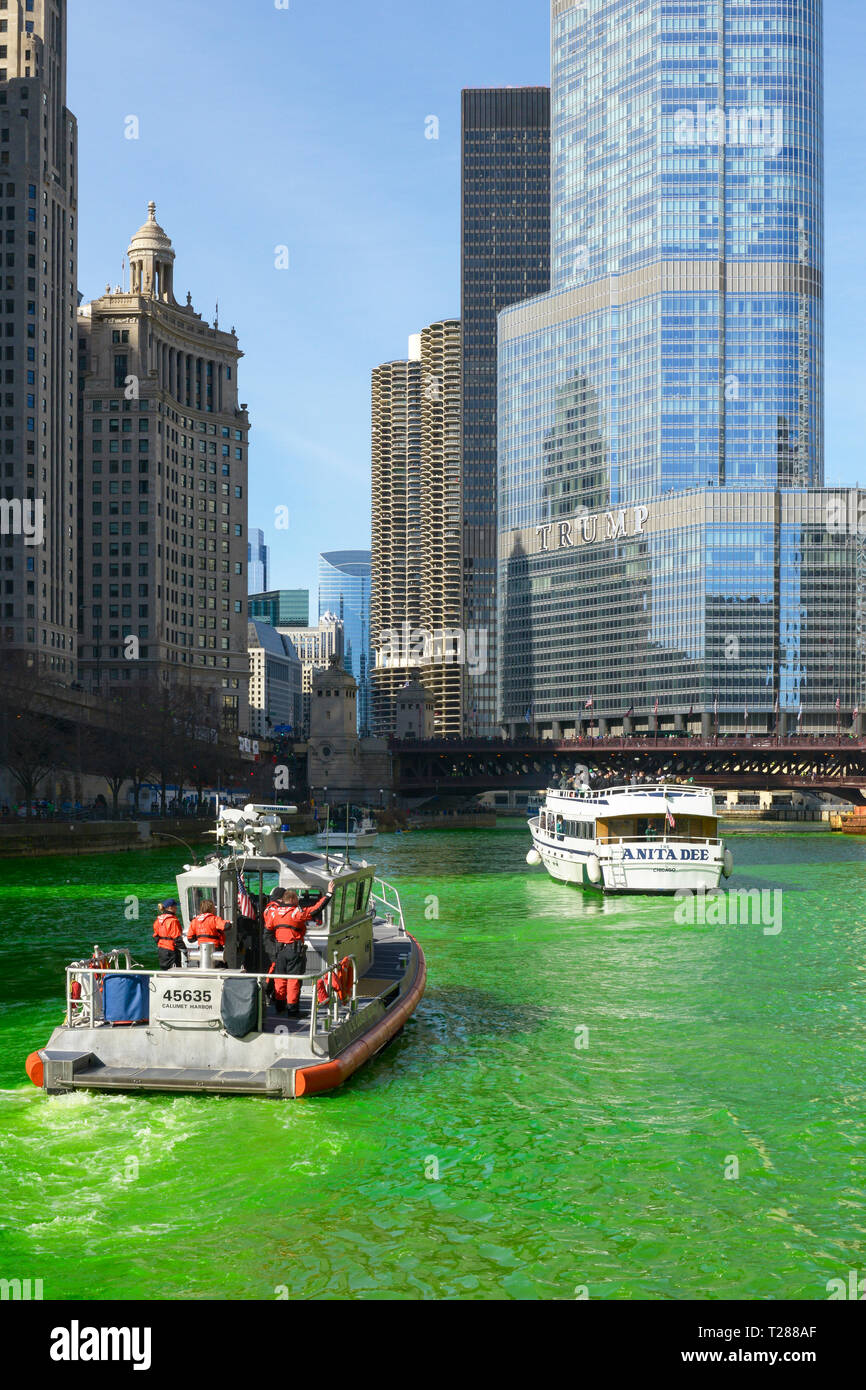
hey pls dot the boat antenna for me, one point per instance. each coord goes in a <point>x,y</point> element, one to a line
<point>161,835</point>
<point>348,845</point>
<point>327,836</point>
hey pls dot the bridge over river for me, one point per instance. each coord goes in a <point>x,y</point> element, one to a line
<point>833,763</point>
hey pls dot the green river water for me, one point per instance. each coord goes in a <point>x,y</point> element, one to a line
<point>561,1167</point>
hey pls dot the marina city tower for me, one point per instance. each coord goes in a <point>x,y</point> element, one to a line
<point>667,553</point>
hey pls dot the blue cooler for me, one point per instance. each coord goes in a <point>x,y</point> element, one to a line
<point>126,999</point>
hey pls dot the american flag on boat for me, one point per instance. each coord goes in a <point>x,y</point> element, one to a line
<point>245,902</point>
<point>670,817</point>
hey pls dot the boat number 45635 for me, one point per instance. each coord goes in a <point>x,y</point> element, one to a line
<point>187,996</point>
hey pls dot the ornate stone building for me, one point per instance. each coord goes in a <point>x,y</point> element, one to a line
<point>341,766</point>
<point>162,490</point>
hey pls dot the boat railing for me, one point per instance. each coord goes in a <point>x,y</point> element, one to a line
<point>86,1010</point>
<point>603,793</point>
<point>334,1007</point>
<point>658,840</point>
<point>387,898</point>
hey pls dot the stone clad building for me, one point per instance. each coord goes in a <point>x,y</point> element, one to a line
<point>162,490</point>
<point>350,767</point>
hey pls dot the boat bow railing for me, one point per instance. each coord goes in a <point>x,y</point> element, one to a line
<point>387,898</point>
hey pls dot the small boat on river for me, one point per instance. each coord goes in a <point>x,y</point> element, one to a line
<point>360,834</point>
<point>214,1025</point>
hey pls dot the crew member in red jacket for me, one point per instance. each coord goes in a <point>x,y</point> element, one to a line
<point>288,922</point>
<point>168,935</point>
<point>206,926</point>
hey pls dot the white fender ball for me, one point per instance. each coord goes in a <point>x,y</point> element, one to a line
<point>533,857</point>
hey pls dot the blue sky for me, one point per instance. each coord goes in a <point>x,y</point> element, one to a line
<point>305,127</point>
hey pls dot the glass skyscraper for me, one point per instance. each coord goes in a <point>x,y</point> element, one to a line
<point>281,607</point>
<point>344,589</point>
<point>505,258</point>
<point>677,357</point>
<point>257,562</point>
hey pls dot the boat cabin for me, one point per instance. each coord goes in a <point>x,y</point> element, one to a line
<point>344,927</point>
<point>629,827</point>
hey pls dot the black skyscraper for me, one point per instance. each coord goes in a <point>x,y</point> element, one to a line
<point>505,258</point>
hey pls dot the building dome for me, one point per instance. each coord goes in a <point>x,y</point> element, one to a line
<point>151,237</point>
<point>151,260</point>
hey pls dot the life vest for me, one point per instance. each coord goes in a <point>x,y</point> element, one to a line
<point>208,927</point>
<point>288,923</point>
<point>167,931</point>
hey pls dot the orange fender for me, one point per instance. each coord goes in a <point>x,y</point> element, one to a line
<point>35,1069</point>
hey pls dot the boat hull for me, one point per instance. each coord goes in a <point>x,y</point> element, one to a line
<point>656,869</point>
<point>655,879</point>
<point>337,841</point>
<point>277,1063</point>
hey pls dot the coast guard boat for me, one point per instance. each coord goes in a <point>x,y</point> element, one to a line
<point>213,1025</point>
<point>647,838</point>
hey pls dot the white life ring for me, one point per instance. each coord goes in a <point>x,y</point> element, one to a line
<point>533,858</point>
<point>593,869</point>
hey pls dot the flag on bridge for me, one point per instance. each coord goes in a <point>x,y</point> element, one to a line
<point>629,714</point>
<point>245,902</point>
<point>800,716</point>
<point>856,714</point>
<point>838,704</point>
<point>656,706</point>
<point>588,704</point>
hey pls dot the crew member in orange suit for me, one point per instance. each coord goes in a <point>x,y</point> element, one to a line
<point>206,926</point>
<point>288,922</point>
<point>168,935</point>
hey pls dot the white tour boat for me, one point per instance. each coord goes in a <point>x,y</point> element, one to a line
<point>647,838</point>
<point>360,835</point>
